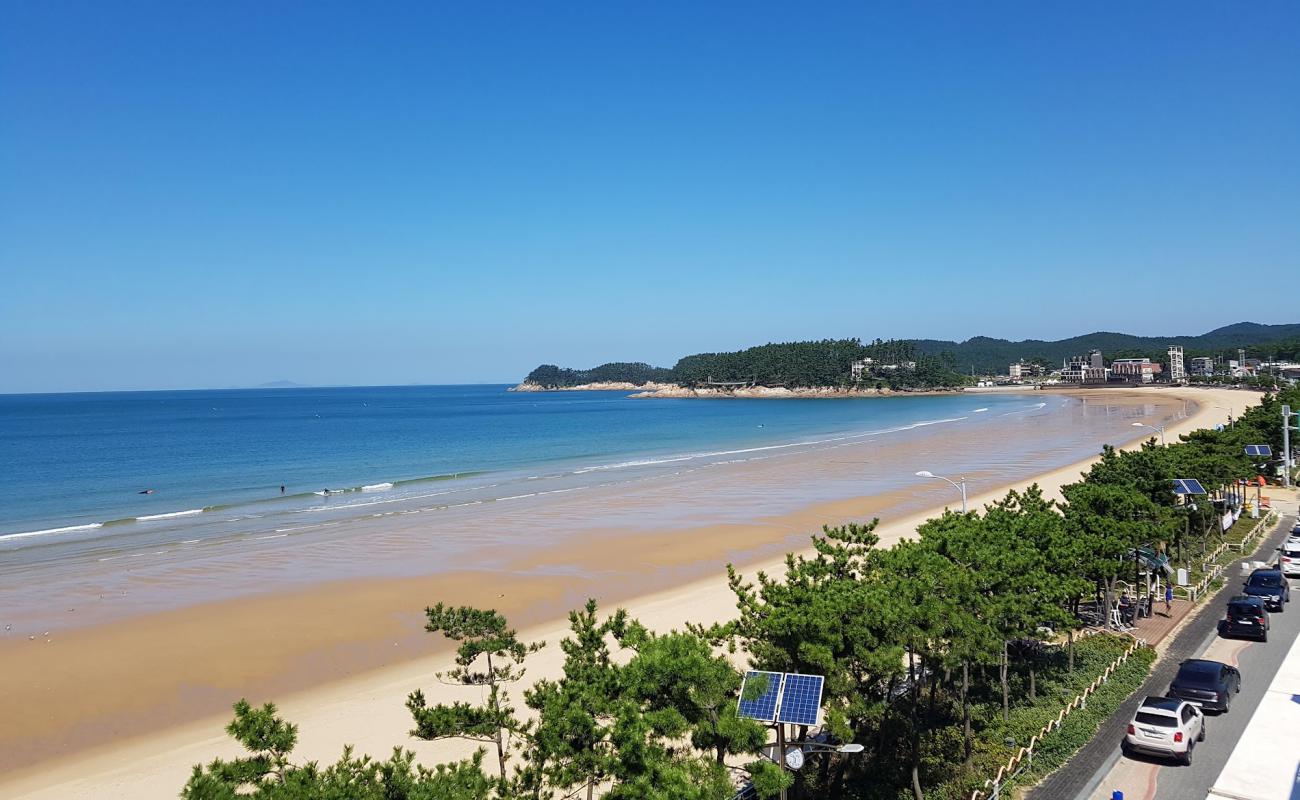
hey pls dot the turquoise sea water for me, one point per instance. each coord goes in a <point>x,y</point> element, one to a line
<point>76,461</point>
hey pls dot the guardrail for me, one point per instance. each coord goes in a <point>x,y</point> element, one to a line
<point>1213,569</point>
<point>1025,755</point>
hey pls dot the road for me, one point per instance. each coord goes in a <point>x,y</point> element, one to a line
<point>1099,768</point>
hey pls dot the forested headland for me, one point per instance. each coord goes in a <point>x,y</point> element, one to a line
<point>828,363</point>
<point>915,364</point>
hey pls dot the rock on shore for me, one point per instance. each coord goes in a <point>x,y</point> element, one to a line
<point>605,386</point>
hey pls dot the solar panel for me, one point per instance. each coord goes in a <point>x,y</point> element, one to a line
<point>760,703</point>
<point>1188,486</point>
<point>1259,450</point>
<point>801,699</point>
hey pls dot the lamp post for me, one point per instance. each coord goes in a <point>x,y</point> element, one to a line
<point>1158,428</point>
<point>960,483</point>
<point>793,758</point>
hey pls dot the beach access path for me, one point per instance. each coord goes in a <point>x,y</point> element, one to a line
<point>367,710</point>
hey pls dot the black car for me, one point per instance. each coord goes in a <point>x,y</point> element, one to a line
<point>1246,616</point>
<point>1206,683</point>
<point>1269,585</point>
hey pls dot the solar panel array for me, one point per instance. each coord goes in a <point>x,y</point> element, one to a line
<point>1188,486</point>
<point>801,699</point>
<point>785,697</point>
<point>762,707</point>
<point>1259,450</point>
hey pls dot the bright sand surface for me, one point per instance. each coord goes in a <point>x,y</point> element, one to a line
<point>124,708</point>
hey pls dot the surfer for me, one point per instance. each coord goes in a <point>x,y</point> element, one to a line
<point>282,488</point>
<point>145,491</point>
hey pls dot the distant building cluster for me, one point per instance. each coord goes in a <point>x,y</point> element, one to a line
<point>1092,369</point>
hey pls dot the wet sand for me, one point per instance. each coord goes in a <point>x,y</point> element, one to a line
<point>123,708</point>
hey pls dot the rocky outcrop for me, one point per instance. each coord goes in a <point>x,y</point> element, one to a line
<point>779,392</point>
<point>606,386</point>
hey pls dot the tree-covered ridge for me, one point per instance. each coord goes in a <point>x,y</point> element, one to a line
<point>825,363</point>
<point>553,377</point>
<point>991,356</point>
<point>938,363</point>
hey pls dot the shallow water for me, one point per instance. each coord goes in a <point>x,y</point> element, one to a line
<point>442,478</point>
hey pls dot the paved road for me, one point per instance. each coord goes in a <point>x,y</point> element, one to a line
<point>1099,768</point>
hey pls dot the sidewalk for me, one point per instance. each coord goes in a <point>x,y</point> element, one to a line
<point>1155,628</point>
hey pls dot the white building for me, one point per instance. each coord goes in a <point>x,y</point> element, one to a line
<point>1176,371</point>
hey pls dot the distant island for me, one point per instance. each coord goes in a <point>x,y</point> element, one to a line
<point>279,385</point>
<point>848,367</point>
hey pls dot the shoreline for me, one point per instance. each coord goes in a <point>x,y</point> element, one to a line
<point>350,709</point>
<point>677,391</point>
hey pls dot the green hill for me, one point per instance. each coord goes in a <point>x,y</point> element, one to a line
<point>987,355</point>
<point>931,362</point>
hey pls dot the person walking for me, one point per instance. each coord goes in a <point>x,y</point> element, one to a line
<point>1169,599</point>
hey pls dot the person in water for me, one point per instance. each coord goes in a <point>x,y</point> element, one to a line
<point>281,488</point>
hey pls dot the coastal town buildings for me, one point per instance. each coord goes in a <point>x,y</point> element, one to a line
<point>1202,366</point>
<point>1023,371</point>
<point>1176,371</point>
<point>1140,369</point>
<point>859,368</point>
<point>1085,369</point>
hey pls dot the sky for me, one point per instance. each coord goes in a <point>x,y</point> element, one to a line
<point>224,194</point>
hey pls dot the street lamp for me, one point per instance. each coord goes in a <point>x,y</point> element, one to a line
<point>925,473</point>
<point>794,756</point>
<point>1158,428</point>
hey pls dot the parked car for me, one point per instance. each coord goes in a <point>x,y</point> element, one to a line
<point>1165,726</point>
<point>1288,558</point>
<point>1246,616</point>
<point>1206,683</point>
<point>1270,585</point>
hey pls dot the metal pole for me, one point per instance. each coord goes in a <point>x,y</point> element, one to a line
<point>780,750</point>
<point>1286,446</point>
<point>963,495</point>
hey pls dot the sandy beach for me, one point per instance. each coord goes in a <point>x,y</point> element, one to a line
<point>123,708</point>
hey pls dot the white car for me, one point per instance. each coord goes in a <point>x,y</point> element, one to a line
<point>1166,726</point>
<point>1288,559</point>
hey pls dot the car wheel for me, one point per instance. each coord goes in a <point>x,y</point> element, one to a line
<point>1200,737</point>
<point>1263,637</point>
<point>1186,758</point>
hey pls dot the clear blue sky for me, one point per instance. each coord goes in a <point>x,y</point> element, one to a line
<point>229,193</point>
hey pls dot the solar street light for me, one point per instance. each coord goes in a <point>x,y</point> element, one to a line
<point>925,473</point>
<point>1159,428</point>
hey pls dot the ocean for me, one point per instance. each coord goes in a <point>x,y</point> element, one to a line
<point>425,480</point>
<point>73,461</point>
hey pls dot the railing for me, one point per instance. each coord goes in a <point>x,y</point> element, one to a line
<point>1025,755</point>
<point>1214,570</point>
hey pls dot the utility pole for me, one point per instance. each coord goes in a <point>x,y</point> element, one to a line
<point>1287,414</point>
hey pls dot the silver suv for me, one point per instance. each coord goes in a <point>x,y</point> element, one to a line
<point>1165,726</point>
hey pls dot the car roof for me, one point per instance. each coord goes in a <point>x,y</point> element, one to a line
<point>1245,600</point>
<point>1200,665</point>
<point>1170,704</point>
<point>1266,571</point>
